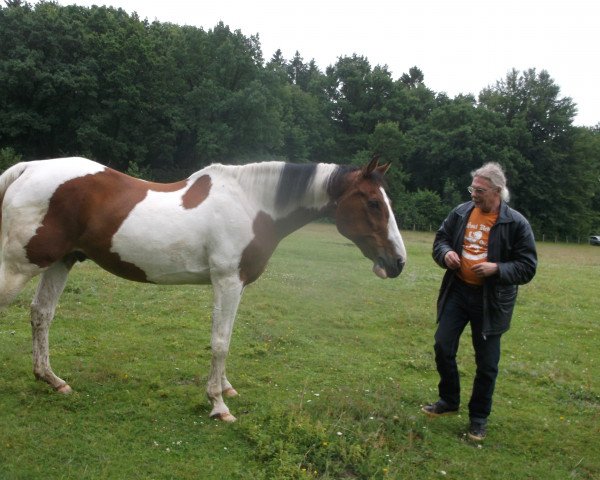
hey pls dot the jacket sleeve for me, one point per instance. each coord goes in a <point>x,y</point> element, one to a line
<point>522,263</point>
<point>442,243</point>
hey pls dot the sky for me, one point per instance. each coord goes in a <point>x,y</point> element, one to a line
<point>461,46</point>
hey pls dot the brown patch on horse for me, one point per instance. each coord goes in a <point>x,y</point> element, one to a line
<point>267,235</point>
<point>197,193</point>
<point>256,255</point>
<point>85,213</point>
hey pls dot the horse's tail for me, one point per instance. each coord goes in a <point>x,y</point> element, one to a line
<point>7,178</point>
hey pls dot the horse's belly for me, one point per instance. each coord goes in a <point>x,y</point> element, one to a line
<point>164,262</point>
<point>181,278</point>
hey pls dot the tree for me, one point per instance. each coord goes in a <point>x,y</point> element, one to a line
<point>8,157</point>
<point>14,3</point>
<point>586,152</point>
<point>541,122</point>
<point>453,140</point>
<point>390,144</point>
<point>421,210</point>
<point>413,78</point>
<point>358,96</point>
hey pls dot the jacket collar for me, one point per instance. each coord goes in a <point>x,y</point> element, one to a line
<point>504,216</point>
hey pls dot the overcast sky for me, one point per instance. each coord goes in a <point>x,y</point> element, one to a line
<point>462,46</point>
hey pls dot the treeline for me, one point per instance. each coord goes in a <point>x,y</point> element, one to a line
<point>163,100</point>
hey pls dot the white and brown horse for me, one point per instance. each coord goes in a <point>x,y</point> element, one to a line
<point>219,226</point>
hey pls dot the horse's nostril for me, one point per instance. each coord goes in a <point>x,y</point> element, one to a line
<point>400,264</point>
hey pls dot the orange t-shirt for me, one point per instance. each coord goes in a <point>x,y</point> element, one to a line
<point>475,244</point>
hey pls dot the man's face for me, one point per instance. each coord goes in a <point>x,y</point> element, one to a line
<point>485,195</point>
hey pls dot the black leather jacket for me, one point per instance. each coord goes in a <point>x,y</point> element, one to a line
<point>511,245</point>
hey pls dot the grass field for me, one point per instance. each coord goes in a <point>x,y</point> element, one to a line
<point>332,365</point>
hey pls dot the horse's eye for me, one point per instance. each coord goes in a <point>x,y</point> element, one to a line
<point>374,204</point>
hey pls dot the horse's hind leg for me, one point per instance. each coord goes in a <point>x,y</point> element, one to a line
<point>43,307</point>
<point>11,284</point>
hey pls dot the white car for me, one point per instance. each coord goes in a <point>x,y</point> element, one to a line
<point>595,240</point>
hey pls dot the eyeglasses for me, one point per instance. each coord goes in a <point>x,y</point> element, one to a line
<point>479,191</point>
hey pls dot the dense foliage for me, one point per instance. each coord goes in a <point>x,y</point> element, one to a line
<point>163,100</point>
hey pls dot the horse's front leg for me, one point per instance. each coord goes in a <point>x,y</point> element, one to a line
<point>227,295</point>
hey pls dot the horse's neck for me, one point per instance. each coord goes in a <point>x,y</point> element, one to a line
<point>280,193</point>
<point>292,195</point>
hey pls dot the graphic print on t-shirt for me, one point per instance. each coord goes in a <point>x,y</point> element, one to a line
<point>475,244</point>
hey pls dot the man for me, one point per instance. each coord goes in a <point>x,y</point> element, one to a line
<point>487,249</point>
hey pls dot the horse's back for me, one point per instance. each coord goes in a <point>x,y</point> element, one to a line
<point>39,179</point>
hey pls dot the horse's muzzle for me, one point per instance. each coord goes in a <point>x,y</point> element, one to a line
<point>396,268</point>
<point>388,269</point>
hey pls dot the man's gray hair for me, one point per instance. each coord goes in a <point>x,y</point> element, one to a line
<point>493,172</point>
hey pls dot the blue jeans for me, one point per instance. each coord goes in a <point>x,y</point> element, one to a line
<point>465,305</point>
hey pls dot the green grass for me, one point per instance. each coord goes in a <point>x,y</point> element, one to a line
<point>332,365</point>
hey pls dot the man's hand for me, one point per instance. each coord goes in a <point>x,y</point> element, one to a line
<point>485,269</point>
<point>452,260</point>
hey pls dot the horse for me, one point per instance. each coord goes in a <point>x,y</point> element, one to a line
<point>219,226</point>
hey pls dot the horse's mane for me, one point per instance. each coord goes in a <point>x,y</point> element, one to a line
<point>294,181</point>
<point>284,184</point>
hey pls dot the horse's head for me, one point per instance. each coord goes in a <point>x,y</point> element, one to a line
<point>364,215</point>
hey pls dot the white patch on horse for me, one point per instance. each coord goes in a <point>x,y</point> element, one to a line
<point>317,196</point>
<point>394,235</point>
<point>171,244</point>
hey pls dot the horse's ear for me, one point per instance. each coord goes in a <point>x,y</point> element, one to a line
<point>384,168</point>
<point>372,166</point>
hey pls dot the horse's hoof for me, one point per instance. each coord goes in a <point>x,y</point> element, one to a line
<point>224,417</point>
<point>230,392</point>
<point>227,417</point>
<point>64,389</point>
